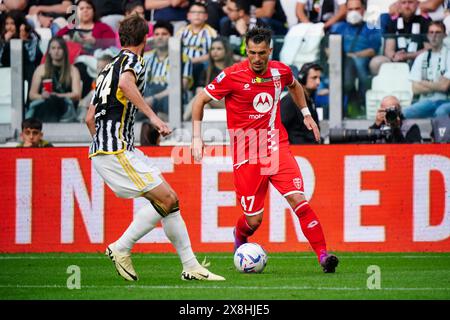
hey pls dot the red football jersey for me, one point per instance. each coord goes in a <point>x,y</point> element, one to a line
<point>253,108</point>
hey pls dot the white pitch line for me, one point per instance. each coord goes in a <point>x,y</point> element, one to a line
<point>149,287</point>
<point>150,256</point>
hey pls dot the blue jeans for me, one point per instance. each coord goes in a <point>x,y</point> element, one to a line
<point>427,109</point>
<point>356,68</point>
<point>384,20</point>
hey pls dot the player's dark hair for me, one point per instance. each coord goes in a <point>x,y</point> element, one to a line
<point>165,25</point>
<point>258,34</point>
<point>31,123</point>
<point>132,31</point>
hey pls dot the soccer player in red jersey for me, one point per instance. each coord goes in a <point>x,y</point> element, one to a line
<point>259,142</point>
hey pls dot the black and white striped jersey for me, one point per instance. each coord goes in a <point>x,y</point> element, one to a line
<point>114,114</point>
<point>197,44</point>
<point>157,72</point>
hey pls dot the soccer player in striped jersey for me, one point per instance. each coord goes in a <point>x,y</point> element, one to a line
<point>110,120</point>
<point>259,142</point>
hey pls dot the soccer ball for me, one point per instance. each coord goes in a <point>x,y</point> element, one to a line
<point>250,258</point>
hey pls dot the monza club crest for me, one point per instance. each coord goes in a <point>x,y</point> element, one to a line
<point>263,102</point>
<point>297,183</point>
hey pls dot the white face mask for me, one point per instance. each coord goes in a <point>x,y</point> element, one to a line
<point>354,17</point>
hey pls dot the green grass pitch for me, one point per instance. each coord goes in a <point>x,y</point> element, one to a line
<point>287,276</point>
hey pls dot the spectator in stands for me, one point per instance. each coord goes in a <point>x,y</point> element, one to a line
<point>238,19</point>
<point>174,11</point>
<point>327,11</point>
<point>390,115</point>
<point>48,13</point>
<point>90,33</point>
<point>432,8</point>
<point>360,44</point>
<point>157,63</point>
<point>8,5</point>
<point>237,24</point>
<point>135,7</point>
<point>55,87</point>
<point>405,36</point>
<point>291,116</point>
<point>196,38</point>
<point>32,134</point>
<point>430,76</point>
<point>220,57</point>
<point>84,36</point>
<point>111,11</point>
<point>215,12</point>
<point>269,12</point>
<point>15,26</point>
<point>272,14</point>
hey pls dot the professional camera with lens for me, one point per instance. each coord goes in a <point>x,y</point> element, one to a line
<point>364,136</point>
<point>392,114</point>
<point>388,132</point>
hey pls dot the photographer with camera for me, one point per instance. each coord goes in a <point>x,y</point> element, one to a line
<point>390,126</point>
<point>390,119</point>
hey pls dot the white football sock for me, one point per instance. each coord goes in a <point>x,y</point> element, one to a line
<point>144,221</point>
<point>176,231</point>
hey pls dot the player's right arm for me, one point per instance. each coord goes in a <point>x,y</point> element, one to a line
<point>200,100</point>
<point>90,119</point>
<point>127,83</point>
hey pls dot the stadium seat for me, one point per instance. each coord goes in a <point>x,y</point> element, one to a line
<point>5,95</point>
<point>302,44</point>
<point>393,79</point>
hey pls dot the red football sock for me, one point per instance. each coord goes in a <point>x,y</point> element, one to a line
<point>311,228</point>
<point>243,230</point>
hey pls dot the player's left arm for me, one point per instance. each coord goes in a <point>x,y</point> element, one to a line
<point>298,95</point>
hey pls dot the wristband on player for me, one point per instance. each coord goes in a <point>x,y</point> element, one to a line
<point>305,111</point>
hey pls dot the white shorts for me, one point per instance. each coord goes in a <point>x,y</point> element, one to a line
<point>129,174</point>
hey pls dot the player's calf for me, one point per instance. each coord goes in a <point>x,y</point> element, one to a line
<point>245,227</point>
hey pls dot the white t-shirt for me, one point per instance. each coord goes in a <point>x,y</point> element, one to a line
<point>439,65</point>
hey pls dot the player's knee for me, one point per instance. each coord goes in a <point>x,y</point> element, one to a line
<point>171,202</point>
<point>295,198</point>
<point>167,205</point>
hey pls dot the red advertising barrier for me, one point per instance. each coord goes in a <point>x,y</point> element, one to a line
<point>376,198</point>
